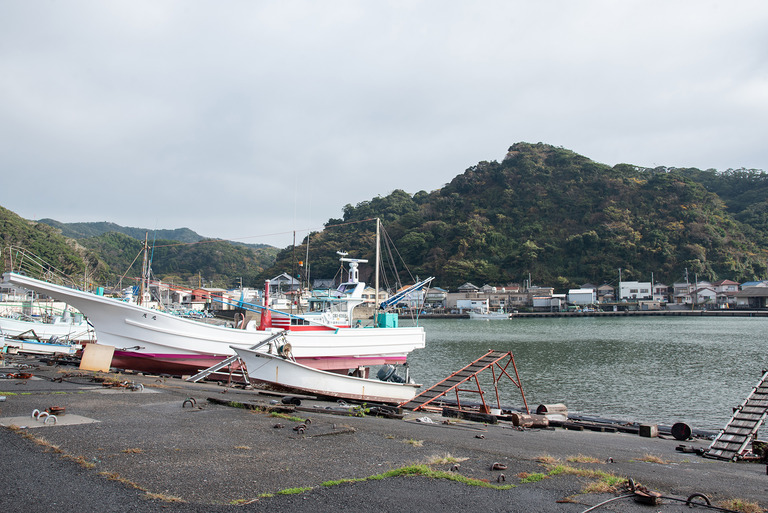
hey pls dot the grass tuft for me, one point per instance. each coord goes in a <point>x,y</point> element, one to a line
<point>582,459</point>
<point>114,476</point>
<point>444,459</point>
<point>163,497</point>
<point>292,418</point>
<point>415,443</point>
<point>741,506</point>
<point>534,477</point>
<point>650,458</point>
<point>293,491</point>
<point>546,459</point>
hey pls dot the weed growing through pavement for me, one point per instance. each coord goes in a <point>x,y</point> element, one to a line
<point>546,459</point>
<point>650,458</point>
<point>604,482</point>
<point>133,450</point>
<point>534,477</point>
<point>163,497</point>
<point>114,476</point>
<point>415,443</point>
<point>293,491</point>
<point>741,506</point>
<point>444,459</point>
<point>582,459</point>
<point>409,470</point>
<point>286,417</point>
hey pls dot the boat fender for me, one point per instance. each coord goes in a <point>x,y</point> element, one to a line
<point>291,400</point>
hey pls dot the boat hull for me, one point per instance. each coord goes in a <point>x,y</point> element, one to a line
<point>41,348</point>
<point>73,331</point>
<point>272,369</point>
<point>488,316</point>
<point>153,341</point>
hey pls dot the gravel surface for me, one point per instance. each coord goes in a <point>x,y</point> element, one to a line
<point>174,441</point>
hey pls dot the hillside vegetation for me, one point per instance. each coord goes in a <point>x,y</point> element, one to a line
<point>565,220</point>
<point>543,211</point>
<point>112,255</point>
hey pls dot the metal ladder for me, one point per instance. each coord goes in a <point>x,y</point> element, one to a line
<point>234,358</point>
<point>732,442</point>
<point>453,382</point>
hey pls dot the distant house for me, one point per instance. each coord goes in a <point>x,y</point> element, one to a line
<point>633,290</point>
<point>369,295</point>
<point>752,297</point>
<point>606,293</point>
<point>323,283</point>
<point>436,298</point>
<point>660,292</point>
<point>726,290</point>
<point>283,283</point>
<point>583,296</point>
<point>704,296</point>
<point>469,288</point>
<point>763,283</point>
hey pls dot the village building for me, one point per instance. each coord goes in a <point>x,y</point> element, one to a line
<point>634,290</point>
<point>752,297</point>
<point>606,293</point>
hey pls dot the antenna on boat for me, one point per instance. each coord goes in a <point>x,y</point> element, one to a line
<point>376,274</point>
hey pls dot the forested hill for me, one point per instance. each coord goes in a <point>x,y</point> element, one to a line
<point>565,220</point>
<point>110,255</point>
<point>84,230</point>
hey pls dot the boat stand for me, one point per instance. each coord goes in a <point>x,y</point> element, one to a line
<point>227,362</point>
<point>732,443</point>
<point>456,382</point>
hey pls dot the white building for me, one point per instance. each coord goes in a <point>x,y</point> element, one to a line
<point>634,290</point>
<point>582,296</point>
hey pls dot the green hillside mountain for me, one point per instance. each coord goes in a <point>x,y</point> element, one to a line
<point>112,255</point>
<point>563,219</point>
<point>208,262</point>
<point>19,236</point>
<point>84,230</point>
<point>542,212</point>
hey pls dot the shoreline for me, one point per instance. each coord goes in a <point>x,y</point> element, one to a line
<point>630,313</point>
<point>144,448</point>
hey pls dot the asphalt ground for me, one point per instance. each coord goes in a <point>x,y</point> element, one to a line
<point>163,444</point>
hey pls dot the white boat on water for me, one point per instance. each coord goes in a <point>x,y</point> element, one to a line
<point>488,314</point>
<point>154,341</point>
<point>264,367</point>
<point>61,327</point>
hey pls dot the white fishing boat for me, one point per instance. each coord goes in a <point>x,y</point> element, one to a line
<point>488,314</point>
<point>154,341</point>
<point>280,371</point>
<point>61,327</point>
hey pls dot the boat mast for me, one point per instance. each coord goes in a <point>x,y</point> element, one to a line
<point>376,274</point>
<point>144,274</point>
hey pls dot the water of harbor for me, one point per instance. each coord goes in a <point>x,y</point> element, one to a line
<point>658,370</point>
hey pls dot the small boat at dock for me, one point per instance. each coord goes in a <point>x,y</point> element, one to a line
<point>283,372</point>
<point>486,314</point>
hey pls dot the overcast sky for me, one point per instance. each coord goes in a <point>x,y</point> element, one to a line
<point>248,120</point>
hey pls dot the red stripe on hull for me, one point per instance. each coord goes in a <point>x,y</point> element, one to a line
<point>189,364</point>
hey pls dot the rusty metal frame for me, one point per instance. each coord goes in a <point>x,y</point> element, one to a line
<point>495,367</point>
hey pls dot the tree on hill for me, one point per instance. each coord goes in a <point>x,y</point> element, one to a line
<point>562,218</point>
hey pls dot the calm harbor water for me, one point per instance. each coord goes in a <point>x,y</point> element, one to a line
<point>658,370</point>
